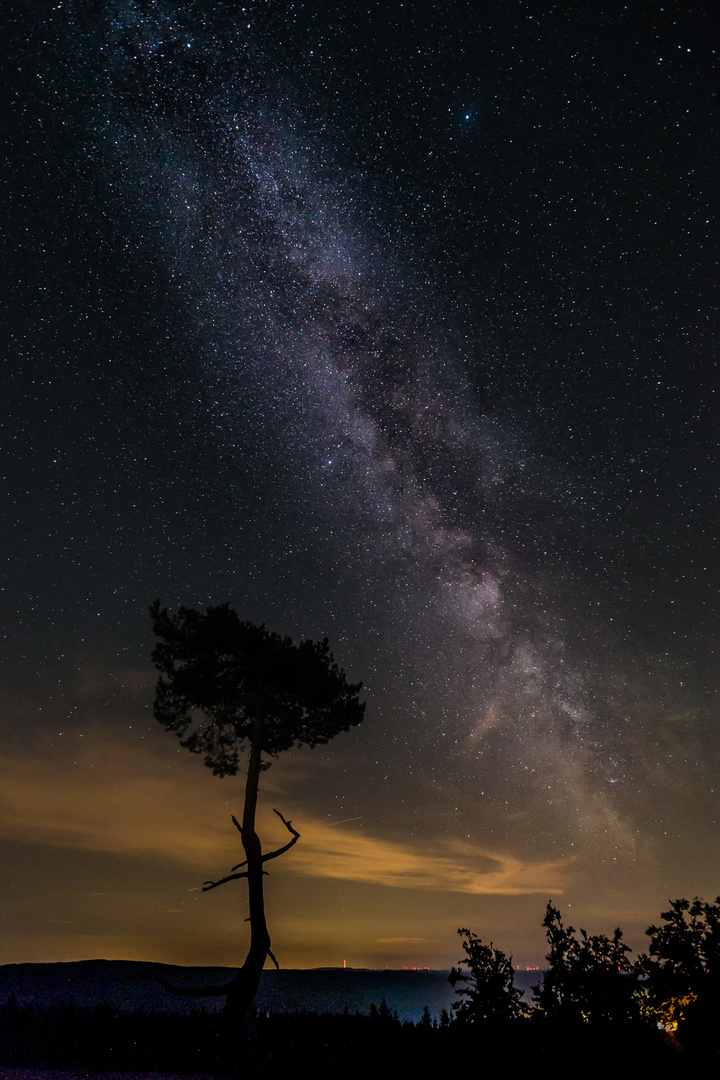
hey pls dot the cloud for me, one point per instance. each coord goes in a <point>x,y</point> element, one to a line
<point>326,851</point>
<point>98,794</point>
<point>404,940</point>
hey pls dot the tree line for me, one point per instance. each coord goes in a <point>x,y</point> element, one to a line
<point>590,979</point>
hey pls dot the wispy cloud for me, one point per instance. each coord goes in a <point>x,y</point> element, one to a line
<point>110,796</point>
<point>404,940</point>
<point>98,794</point>
<point>326,851</point>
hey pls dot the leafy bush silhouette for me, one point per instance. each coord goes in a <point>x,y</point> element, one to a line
<point>490,993</point>
<point>587,978</point>
<point>682,971</point>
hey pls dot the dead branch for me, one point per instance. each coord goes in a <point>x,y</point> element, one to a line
<point>208,885</point>
<point>282,850</point>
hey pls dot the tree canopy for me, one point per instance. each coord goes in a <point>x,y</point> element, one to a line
<point>490,993</point>
<point>589,978</point>
<point>219,673</point>
<point>682,972</point>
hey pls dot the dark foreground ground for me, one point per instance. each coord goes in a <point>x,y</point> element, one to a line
<point>83,1074</point>
<point>79,1044</point>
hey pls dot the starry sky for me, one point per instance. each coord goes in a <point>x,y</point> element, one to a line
<point>392,323</point>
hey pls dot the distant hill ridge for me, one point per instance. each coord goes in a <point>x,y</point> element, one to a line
<point>132,984</point>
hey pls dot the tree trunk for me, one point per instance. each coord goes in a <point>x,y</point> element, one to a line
<point>241,996</point>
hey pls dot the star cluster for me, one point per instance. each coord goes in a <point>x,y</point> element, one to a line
<point>391,324</point>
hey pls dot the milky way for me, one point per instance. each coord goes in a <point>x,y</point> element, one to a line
<point>328,430</point>
<point>427,501</point>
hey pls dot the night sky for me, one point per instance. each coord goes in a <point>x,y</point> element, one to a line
<point>391,323</point>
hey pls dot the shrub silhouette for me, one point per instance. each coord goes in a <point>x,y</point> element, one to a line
<point>587,978</point>
<point>490,993</point>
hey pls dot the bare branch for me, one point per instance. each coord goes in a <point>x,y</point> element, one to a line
<point>272,957</point>
<point>287,824</point>
<point>238,826</point>
<point>208,885</point>
<point>282,850</point>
